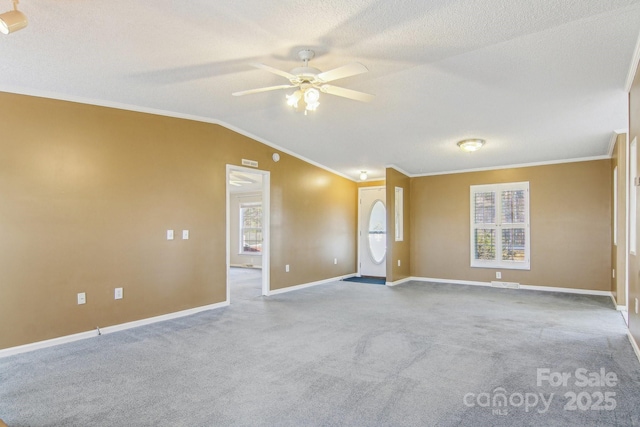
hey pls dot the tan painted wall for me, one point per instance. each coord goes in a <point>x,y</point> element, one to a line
<point>398,251</point>
<point>570,225</point>
<point>634,264</point>
<point>377,183</point>
<point>87,196</point>
<point>313,220</point>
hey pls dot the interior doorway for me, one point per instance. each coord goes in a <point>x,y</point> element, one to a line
<point>372,232</point>
<point>247,225</point>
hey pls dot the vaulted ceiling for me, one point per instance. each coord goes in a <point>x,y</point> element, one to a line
<point>541,81</point>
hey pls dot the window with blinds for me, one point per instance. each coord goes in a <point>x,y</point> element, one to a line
<point>251,228</point>
<point>500,226</point>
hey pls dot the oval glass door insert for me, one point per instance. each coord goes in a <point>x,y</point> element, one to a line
<point>378,232</point>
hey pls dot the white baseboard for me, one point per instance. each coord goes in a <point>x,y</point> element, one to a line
<point>47,343</point>
<point>453,282</point>
<point>566,290</point>
<point>634,344</point>
<point>162,318</point>
<point>308,285</point>
<point>399,282</point>
<point>525,287</point>
<point>254,266</point>
<point>106,330</point>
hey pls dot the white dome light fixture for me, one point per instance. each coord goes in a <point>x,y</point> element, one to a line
<point>363,175</point>
<point>470,145</point>
<point>13,20</point>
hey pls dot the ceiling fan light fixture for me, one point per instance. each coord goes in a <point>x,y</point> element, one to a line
<point>312,106</point>
<point>12,21</point>
<point>471,145</point>
<point>310,81</point>
<point>311,96</point>
<point>363,176</point>
<point>292,100</point>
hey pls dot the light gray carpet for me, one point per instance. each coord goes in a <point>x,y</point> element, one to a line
<point>341,354</point>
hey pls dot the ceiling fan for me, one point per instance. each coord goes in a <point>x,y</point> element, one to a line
<point>311,82</point>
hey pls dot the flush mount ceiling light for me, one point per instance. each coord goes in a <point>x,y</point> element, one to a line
<point>363,176</point>
<point>471,144</point>
<point>13,20</point>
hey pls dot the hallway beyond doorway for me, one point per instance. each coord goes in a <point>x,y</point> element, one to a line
<point>245,283</point>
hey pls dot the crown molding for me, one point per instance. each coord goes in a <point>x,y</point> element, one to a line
<point>633,67</point>
<point>165,113</point>
<point>399,169</point>
<point>514,166</point>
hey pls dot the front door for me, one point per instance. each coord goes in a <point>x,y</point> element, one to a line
<point>372,245</point>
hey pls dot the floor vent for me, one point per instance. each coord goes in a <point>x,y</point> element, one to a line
<point>510,285</point>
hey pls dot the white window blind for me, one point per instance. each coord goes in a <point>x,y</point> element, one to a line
<point>500,230</point>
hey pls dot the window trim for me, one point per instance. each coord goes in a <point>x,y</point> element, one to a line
<point>615,206</point>
<point>498,262</point>
<point>399,214</point>
<point>244,205</point>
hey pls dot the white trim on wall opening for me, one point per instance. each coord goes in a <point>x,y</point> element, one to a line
<point>266,228</point>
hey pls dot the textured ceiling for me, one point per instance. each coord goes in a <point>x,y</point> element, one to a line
<point>541,81</point>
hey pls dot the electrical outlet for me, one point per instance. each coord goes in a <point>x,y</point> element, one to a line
<point>614,273</point>
<point>169,234</point>
<point>118,293</point>
<point>185,234</point>
<point>82,298</point>
<point>398,263</point>
<point>286,268</point>
<point>498,275</point>
<point>335,261</point>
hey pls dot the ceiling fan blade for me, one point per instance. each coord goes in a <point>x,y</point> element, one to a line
<point>347,93</point>
<point>341,72</point>
<point>262,89</point>
<point>284,74</point>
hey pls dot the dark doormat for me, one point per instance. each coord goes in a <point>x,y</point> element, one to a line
<point>367,279</point>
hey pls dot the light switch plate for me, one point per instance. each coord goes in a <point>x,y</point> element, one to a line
<point>185,234</point>
<point>118,293</point>
<point>82,298</point>
<point>169,234</point>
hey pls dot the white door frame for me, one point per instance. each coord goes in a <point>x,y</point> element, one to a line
<point>266,222</point>
<point>359,248</point>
